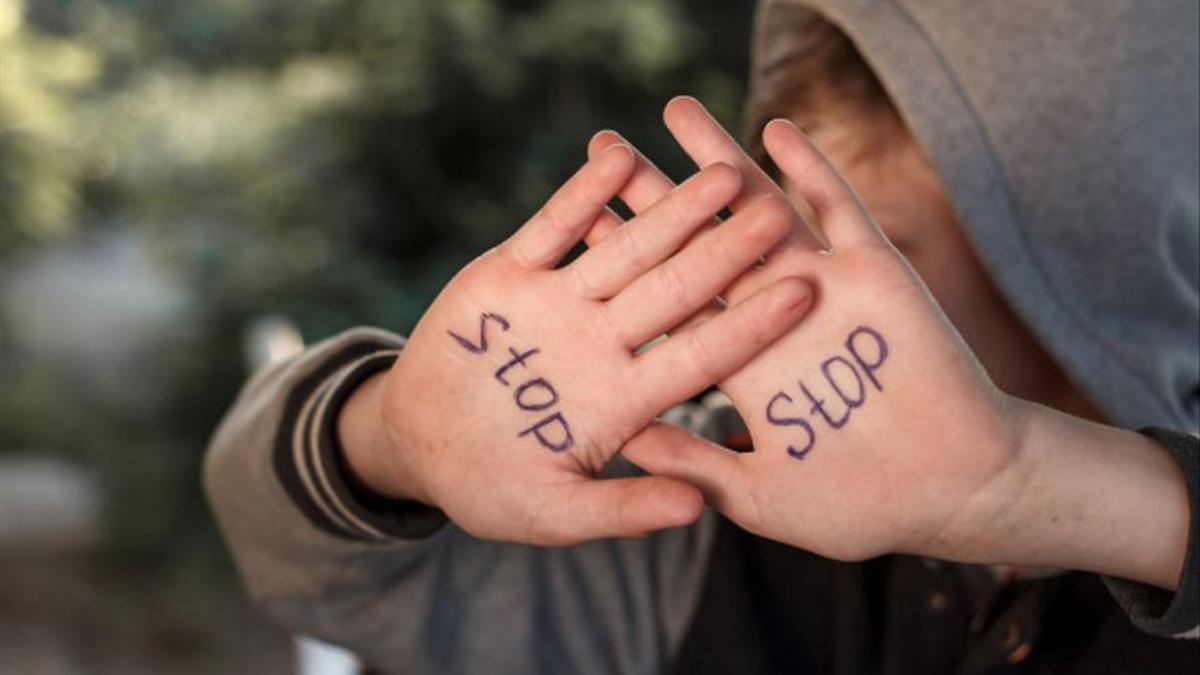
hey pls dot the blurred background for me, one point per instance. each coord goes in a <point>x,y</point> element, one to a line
<point>184,185</point>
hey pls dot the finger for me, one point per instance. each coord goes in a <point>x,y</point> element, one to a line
<point>562,221</point>
<point>646,186</point>
<point>700,356</point>
<point>655,234</point>
<point>621,507</point>
<point>605,224</point>
<point>668,451</point>
<point>817,181</point>
<point>671,292</point>
<point>706,141</point>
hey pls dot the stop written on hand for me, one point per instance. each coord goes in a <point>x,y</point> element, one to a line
<point>841,389</point>
<point>532,395</point>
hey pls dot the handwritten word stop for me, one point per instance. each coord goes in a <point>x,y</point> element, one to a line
<point>843,376</point>
<point>534,395</point>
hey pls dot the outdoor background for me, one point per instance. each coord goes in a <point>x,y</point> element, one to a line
<point>175,172</point>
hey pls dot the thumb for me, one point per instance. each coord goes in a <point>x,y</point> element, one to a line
<point>619,507</point>
<point>667,450</point>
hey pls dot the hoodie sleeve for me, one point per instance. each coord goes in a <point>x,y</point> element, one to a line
<point>398,583</point>
<point>1155,610</point>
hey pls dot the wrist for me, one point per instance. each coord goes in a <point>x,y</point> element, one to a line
<point>1084,496</point>
<point>994,508</point>
<point>373,459</point>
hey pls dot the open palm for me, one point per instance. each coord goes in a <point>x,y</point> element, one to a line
<point>874,427</point>
<point>521,380</point>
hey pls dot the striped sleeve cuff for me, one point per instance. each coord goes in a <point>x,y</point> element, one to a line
<point>309,464</point>
<point>1154,610</point>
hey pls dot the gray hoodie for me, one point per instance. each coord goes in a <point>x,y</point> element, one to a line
<point>1066,136</point>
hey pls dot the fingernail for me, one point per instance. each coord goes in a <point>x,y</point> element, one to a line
<point>622,147</point>
<point>611,166</point>
<point>782,120</point>
<point>617,138</point>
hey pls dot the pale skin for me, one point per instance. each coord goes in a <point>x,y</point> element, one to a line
<point>941,457</point>
<point>520,382</point>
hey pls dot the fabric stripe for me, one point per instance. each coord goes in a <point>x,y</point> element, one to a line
<point>303,463</point>
<point>314,461</point>
<point>287,457</point>
<point>388,518</point>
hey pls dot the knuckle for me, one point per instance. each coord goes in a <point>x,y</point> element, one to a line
<point>672,284</point>
<point>553,221</point>
<point>632,252</point>
<point>580,281</point>
<point>677,212</point>
<point>572,192</point>
<point>725,252</point>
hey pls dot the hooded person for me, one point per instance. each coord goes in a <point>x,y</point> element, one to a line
<point>1062,139</point>
<point>1065,137</point>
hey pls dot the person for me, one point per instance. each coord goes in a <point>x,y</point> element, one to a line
<point>964,381</point>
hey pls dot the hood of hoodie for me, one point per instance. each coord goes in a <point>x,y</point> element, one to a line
<point>1066,136</point>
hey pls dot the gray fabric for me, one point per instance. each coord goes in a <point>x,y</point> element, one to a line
<point>447,603</point>
<point>1066,135</point>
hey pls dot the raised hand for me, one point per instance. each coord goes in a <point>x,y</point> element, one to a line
<point>874,427</point>
<point>520,382</point>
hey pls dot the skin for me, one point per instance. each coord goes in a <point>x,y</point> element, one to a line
<point>455,404</point>
<point>941,459</point>
<point>943,462</point>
